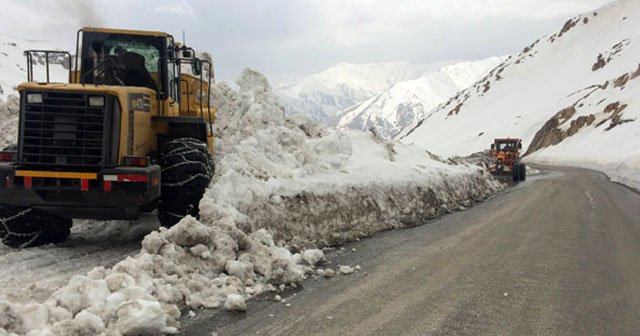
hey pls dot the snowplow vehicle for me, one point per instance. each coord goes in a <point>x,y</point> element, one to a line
<point>130,131</point>
<point>506,154</point>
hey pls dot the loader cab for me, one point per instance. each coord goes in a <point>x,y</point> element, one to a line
<point>152,60</point>
<point>126,58</point>
<point>506,145</point>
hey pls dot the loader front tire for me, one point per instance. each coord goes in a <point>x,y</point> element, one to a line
<point>28,227</point>
<point>515,172</point>
<point>523,172</point>
<point>187,169</point>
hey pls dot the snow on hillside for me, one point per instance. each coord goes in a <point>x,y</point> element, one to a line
<point>13,64</point>
<point>327,93</point>
<point>571,95</point>
<point>9,118</point>
<point>397,107</point>
<point>283,186</point>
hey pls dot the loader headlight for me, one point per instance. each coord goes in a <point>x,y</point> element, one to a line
<point>96,101</point>
<point>34,98</point>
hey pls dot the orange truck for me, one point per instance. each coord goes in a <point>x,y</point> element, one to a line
<point>506,152</point>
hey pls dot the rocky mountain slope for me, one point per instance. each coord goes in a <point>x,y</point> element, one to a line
<point>571,95</point>
<point>397,107</point>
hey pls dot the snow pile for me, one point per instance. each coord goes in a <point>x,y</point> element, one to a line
<point>282,185</point>
<point>315,189</point>
<point>189,264</point>
<point>571,95</point>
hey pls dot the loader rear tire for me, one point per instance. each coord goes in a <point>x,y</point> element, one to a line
<point>187,169</point>
<point>28,227</point>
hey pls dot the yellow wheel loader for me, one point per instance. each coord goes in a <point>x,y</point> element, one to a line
<point>130,131</point>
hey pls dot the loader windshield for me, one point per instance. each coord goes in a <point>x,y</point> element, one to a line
<point>119,47</point>
<point>122,59</point>
<point>506,146</point>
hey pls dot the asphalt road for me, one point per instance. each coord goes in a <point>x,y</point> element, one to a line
<point>557,255</point>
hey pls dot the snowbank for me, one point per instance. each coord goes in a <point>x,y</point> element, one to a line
<point>282,186</point>
<point>9,121</point>
<point>621,170</point>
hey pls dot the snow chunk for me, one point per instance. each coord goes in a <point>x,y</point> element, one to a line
<point>10,320</point>
<point>201,251</point>
<point>188,232</point>
<point>328,273</point>
<point>88,323</point>
<point>242,270</point>
<point>82,292</point>
<point>141,317</point>
<point>34,315</point>
<point>346,269</point>
<point>235,302</point>
<point>152,243</point>
<point>116,281</point>
<point>312,256</point>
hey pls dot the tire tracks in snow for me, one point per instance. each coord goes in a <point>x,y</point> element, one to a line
<point>32,274</point>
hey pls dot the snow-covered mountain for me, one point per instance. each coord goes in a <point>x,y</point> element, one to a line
<point>405,102</point>
<point>573,96</point>
<point>13,64</point>
<point>323,95</point>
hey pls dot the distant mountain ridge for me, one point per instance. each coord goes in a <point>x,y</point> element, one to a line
<point>400,105</point>
<point>323,95</point>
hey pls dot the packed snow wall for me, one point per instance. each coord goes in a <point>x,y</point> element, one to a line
<point>315,189</point>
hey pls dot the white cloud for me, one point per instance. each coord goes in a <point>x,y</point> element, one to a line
<point>180,8</point>
<point>475,9</point>
<point>48,20</point>
<point>359,22</point>
<point>301,36</point>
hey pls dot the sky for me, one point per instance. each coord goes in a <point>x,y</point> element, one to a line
<point>286,39</point>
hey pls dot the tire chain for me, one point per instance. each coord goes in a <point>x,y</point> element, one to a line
<point>187,169</point>
<point>6,232</point>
